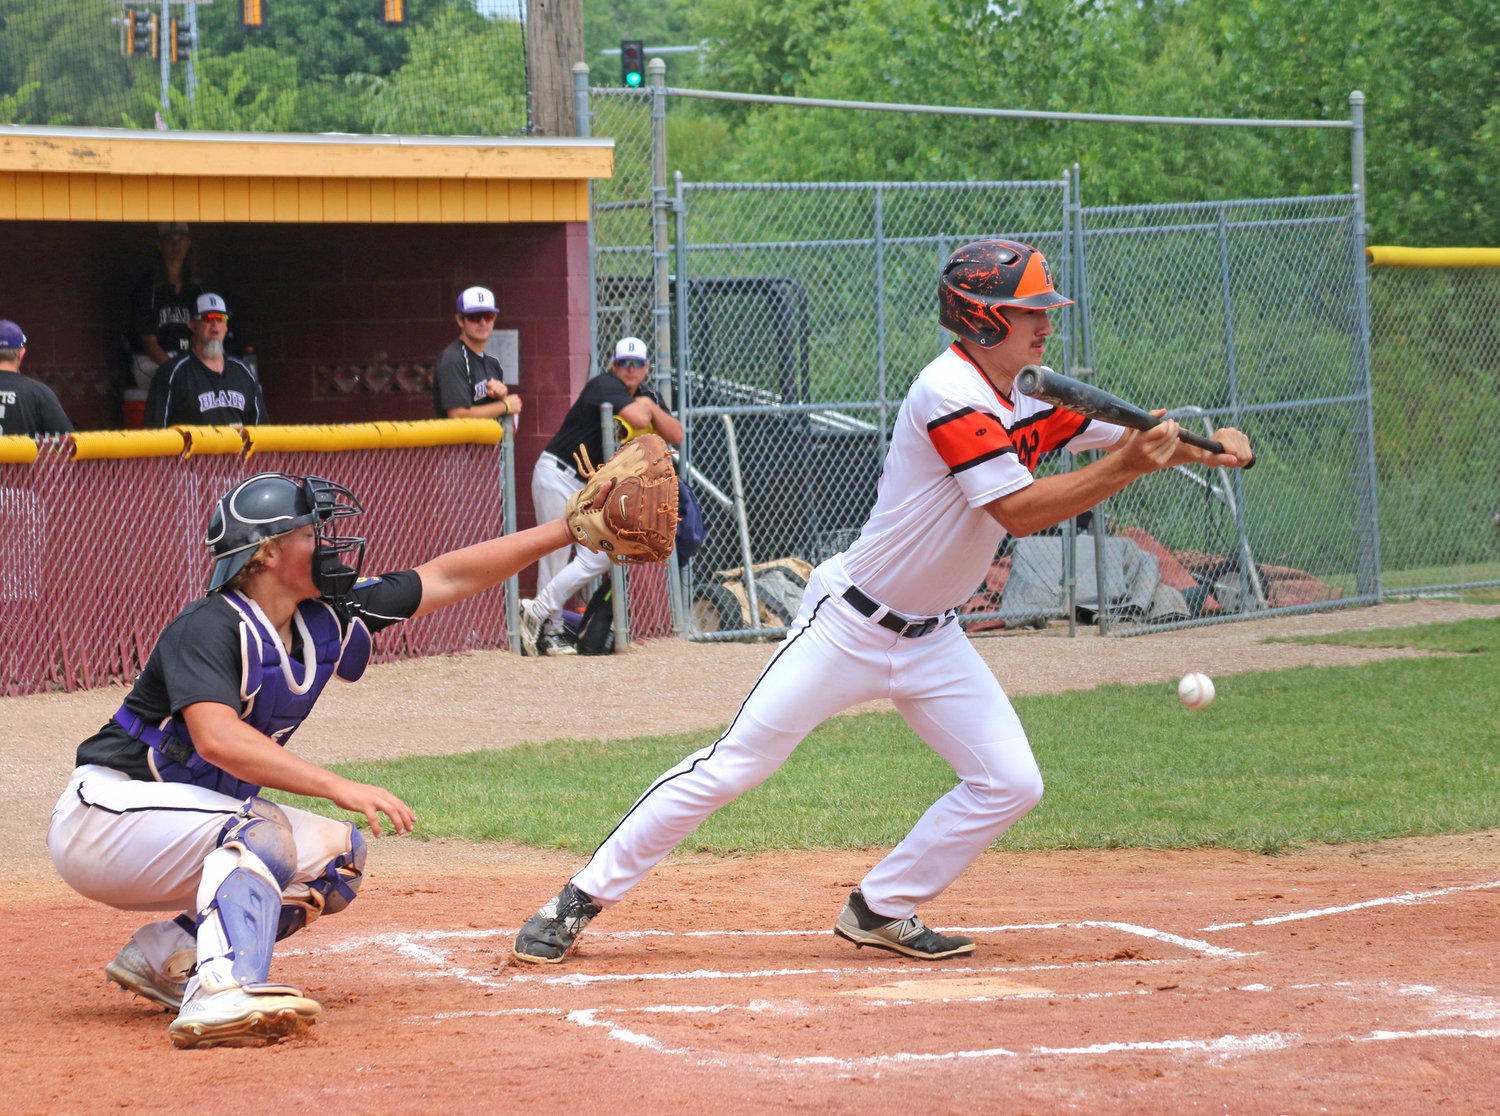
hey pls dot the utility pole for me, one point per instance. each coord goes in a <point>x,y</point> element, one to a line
<point>554,41</point>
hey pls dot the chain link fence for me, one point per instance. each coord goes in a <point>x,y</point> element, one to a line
<point>448,67</point>
<point>1435,357</point>
<point>97,557</point>
<point>801,312</point>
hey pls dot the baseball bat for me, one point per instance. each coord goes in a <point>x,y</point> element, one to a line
<point>1043,383</point>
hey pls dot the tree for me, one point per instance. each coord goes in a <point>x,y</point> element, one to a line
<point>463,77</point>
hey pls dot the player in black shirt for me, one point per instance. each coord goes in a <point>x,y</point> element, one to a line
<point>205,386</point>
<point>164,812</point>
<point>27,406</point>
<point>639,410</point>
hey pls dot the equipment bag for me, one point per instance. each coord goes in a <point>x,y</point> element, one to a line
<point>596,631</point>
<point>691,529</point>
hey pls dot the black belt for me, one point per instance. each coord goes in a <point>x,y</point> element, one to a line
<point>893,620</point>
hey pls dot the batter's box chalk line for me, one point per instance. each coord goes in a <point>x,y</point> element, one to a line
<point>1406,898</point>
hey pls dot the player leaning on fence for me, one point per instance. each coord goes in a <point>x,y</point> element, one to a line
<point>878,621</point>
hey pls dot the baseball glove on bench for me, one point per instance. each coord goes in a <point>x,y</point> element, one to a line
<point>627,507</point>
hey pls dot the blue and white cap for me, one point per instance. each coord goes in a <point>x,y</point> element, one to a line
<point>477,300</point>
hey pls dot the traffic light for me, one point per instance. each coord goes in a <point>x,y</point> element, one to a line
<point>250,14</point>
<point>632,63</point>
<point>181,39</point>
<point>395,12</point>
<point>141,32</point>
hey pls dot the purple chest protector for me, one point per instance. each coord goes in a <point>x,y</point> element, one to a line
<point>276,691</point>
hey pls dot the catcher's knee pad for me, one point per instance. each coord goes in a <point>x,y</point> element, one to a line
<point>329,892</point>
<point>262,829</point>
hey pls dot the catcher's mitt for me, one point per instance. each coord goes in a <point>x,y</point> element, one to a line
<point>628,506</point>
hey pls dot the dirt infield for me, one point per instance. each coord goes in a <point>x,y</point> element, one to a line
<point>1349,979</point>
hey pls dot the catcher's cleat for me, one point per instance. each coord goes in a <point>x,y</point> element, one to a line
<point>550,933</point>
<point>910,936</point>
<point>133,972</point>
<point>531,628</point>
<point>241,1015</point>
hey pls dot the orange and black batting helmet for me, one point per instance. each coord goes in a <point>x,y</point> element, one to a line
<point>979,278</point>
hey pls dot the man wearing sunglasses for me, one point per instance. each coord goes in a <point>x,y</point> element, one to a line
<point>468,382</point>
<point>639,410</point>
<point>205,386</point>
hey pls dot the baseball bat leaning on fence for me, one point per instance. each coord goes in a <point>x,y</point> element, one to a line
<point>1043,383</point>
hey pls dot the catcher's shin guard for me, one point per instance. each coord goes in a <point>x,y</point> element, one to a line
<point>239,896</point>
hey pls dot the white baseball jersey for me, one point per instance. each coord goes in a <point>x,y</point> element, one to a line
<point>957,445</point>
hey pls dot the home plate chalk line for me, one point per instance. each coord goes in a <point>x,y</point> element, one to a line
<point>1453,1015</point>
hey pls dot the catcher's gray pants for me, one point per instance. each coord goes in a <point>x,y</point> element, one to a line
<point>834,658</point>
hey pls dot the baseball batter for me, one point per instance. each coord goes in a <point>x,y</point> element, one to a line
<point>879,620</point>
<point>164,813</point>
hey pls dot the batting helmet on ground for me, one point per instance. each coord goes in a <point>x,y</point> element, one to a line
<point>271,504</point>
<point>980,278</point>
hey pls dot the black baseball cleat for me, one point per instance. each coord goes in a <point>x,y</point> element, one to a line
<point>551,932</point>
<point>910,936</point>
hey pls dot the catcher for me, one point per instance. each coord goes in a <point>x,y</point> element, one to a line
<point>164,810</point>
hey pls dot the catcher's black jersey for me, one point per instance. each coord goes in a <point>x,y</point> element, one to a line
<point>197,658</point>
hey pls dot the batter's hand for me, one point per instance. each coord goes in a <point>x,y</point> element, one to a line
<point>1234,442</point>
<point>372,801</point>
<point>1145,451</point>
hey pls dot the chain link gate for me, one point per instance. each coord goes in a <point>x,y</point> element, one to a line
<point>1243,314</point>
<point>803,312</point>
<point>800,312</point>
<point>1436,363</point>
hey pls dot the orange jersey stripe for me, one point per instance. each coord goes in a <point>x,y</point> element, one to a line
<point>967,437</point>
<point>1039,435</point>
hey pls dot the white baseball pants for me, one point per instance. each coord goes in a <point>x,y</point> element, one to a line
<point>140,846</point>
<point>558,576</point>
<point>831,659</point>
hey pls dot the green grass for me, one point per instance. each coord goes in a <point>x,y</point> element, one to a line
<point>1315,754</point>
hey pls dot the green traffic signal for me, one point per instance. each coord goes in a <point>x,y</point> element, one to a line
<point>632,63</point>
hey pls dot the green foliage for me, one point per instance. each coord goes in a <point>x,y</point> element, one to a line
<point>1329,754</point>
<point>13,107</point>
<point>654,22</point>
<point>1480,636</point>
<point>253,90</point>
<point>456,54</point>
<point>71,53</point>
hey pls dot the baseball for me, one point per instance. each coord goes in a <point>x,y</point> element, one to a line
<point>1196,690</point>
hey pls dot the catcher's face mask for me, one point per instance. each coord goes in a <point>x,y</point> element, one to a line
<point>271,504</point>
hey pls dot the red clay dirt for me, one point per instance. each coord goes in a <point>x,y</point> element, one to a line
<point>1359,979</point>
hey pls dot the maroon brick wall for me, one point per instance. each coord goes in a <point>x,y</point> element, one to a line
<point>344,320</point>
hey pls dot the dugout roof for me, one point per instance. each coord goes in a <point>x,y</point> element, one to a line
<point>113,174</point>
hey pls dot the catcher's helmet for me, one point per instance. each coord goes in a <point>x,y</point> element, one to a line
<point>980,278</point>
<point>271,504</point>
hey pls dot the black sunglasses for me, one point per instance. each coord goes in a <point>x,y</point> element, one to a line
<point>631,363</point>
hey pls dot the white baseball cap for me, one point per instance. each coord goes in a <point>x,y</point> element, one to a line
<point>630,348</point>
<point>210,304</point>
<point>477,300</point>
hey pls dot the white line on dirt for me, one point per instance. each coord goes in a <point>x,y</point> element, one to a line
<point>1405,899</point>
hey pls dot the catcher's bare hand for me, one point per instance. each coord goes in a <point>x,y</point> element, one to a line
<point>372,801</point>
<point>627,507</point>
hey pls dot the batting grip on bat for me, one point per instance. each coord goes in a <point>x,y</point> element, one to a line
<point>1043,383</point>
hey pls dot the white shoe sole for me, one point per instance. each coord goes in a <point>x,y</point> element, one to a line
<point>279,1018</point>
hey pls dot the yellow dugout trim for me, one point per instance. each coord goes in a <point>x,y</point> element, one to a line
<point>96,445</point>
<point>1392,256</point>
<point>17,449</point>
<point>91,445</point>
